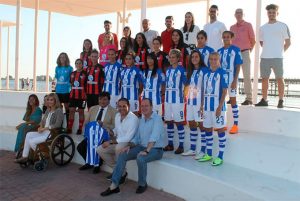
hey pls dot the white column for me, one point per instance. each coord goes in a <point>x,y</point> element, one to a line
<point>143,11</point>
<point>0,54</point>
<point>207,10</point>
<point>256,53</point>
<point>118,23</point>
<point>124,14</point>
<point>7,67</point>
<point>48,52</point>
<point>17,56</point>
<point>35,43</point>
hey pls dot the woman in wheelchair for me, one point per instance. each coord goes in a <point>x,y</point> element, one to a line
<point>52,119</point>
<point>32,119</point>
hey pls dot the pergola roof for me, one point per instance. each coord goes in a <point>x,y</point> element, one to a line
<point>7,23</point>
<point>91,7</point>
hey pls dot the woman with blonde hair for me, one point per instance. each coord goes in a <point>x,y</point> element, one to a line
<point>52,119</point>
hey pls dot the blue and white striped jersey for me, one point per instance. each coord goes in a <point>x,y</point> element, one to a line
<point>196,86</point>
<point>152,86</point>
<point>95,136</point>
<point>229,58</point>
<point>131,77</point>
<point>205,51</point>
<point>175,81</point>
<point>213,85</point>
<point>112,78</point>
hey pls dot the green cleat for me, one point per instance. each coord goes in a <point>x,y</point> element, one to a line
<point>217,162</point>
<point>205,158</point>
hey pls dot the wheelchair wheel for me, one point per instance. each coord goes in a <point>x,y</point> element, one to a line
<point>40,165</point>
<point>62,150</point>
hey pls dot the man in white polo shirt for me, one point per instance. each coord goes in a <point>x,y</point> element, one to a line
<point>214,29</point>
<point>149,34</point>
<point>274,39</point>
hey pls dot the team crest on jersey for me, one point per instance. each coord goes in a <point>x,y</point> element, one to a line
<point>84,63</point>
<point>137,59</point>
<point>103,56</point>
<point>225,76</point>
<point>90,78</point>
<point>61,78</point>
<point>76,84</point>
<point>149,50</point>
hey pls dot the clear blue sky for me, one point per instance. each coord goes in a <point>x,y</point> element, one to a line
<point>69,32</point>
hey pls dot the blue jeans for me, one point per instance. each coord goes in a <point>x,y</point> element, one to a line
<point>154,154</point>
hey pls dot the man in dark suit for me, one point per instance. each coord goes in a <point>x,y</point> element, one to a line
<point>105,115</point>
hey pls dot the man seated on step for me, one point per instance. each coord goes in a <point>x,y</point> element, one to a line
<point>126,126</point>
<point>146,146</point>
<point>105,115</point>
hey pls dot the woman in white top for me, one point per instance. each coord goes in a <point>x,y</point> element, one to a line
<point>190,30</point>
<point>52,119</point>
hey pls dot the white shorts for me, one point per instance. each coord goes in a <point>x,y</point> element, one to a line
<point>134,105</point>
<point>157,109</point>
<point>211,121</point>
<point>174,112</point>
<point>193,113</point>
<point>114,101</point>
<point>232,92</point>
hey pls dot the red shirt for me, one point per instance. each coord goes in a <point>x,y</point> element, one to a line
<point>78,84</point>
<point>101,38</point>
<point>166,39</point>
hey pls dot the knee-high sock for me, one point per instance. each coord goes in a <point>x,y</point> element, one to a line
<point>180,129</point>
<point>222,142</point>
<point>170,131</point>
<point>193,138</point>
<point>203,141</point>
<point>235,112</point>
<point>81,123</point>
<point>67,115</point>
<point>209,142</point>
<point>70,123</point>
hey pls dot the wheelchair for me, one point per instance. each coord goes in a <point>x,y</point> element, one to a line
<point>59,147</point>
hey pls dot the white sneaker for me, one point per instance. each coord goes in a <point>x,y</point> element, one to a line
<point>189,153</point>
<point>198,156</point>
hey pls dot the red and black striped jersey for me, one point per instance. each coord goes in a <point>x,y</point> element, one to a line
<point>78,85</point>
<point>95,79</point>
<point>141,58</point>
<point>162,59</point>
<point>85,57</point>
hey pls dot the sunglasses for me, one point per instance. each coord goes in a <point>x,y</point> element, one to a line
<point>187,36</point>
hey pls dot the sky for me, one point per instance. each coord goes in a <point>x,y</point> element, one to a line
<point>68,32</point>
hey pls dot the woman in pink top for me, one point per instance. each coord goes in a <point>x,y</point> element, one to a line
<point>108,43</point>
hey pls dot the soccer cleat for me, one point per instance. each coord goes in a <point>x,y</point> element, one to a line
<point>189,153</point>
<point>198,156</point>
<point>217,161</point>
<point>262,102</point>
<point>179,150</point>
<point>280,104</point>
<point>205,158</point>
<point>234,129</point>
<point>247,102</point>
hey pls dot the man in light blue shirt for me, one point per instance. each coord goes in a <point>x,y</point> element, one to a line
<point>146,146</point>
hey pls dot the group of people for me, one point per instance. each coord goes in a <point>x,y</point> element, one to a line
<point>185,82</point>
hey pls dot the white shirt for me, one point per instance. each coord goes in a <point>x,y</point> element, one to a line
<point>125,129</point>
<point>150,35</point>
<point>192,36</point>
<point>273,37</point>
<point>47,124</point>
<point>214,34</point>
<point>103,114</point>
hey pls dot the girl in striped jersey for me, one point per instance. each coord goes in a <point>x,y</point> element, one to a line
<point>77,96</point>
<point>95,80</point>
<point>231,60</point>
<point>202,47</point>
<point>131,83</point>
<point>174,100</point>
<point>177,43</point>
<point>154,83</point>
<point>141,49</point>
<point>86,53</point>
<point>215,84</point>
<point>162,57</point>
<point>123,51</point>
<point>195,96</point>
<point>112,72</point>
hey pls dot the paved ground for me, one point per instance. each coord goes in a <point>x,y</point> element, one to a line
<point>63,183</point>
